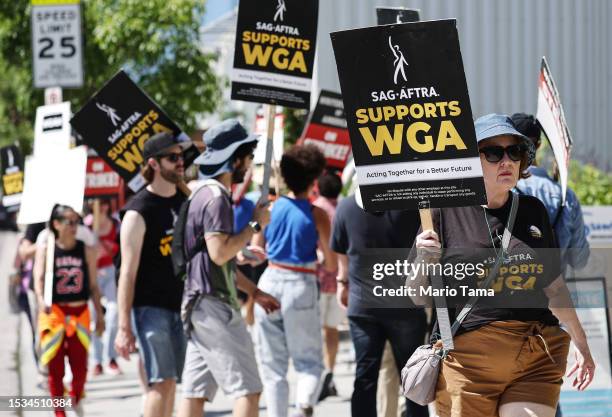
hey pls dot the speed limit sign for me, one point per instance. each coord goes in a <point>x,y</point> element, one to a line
<point>57,51</point>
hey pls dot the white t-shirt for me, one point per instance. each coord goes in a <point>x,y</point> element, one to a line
<point>83,234</point>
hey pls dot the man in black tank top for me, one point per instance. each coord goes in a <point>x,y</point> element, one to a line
<point>147,284</point>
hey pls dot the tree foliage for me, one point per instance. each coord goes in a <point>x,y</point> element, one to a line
<point>592,186</point>
<point>155,41</point>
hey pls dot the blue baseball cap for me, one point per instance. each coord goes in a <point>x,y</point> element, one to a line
<point>493,125</point>
<point>221,142</point>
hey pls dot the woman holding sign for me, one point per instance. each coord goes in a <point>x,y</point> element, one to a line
<point>509,354</point>
<point>64,325</point>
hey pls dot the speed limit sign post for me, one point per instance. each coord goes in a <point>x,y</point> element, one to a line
<point>57,51</point>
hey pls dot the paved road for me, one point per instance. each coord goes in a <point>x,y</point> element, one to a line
<point>116,396</point>
<point>120,396</point>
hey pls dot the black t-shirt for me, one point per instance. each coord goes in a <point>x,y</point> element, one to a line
<point>156,284</point>
<point>528,268</point>
<point>369,238</point>
<point>70,274</point>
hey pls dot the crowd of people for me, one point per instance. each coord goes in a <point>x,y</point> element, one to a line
<point>301,259</point>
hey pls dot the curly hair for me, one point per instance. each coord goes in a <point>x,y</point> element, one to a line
<point>301,166</point>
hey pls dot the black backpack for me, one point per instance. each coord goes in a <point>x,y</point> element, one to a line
<point>182,251</point>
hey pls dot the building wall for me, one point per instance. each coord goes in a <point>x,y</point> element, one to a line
<point>502,43</point>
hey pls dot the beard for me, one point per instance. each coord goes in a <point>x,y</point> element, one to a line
<point>171,175</point>
<point>238,174</point>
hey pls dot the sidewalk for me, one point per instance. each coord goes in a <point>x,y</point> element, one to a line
<point>9,325</point>
<point>120,396</point>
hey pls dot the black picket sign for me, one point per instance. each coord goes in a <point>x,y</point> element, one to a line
<point>394,15</point>
<point>118,120</point>
<point>11,170</point>
<point>275,51</point>
<point>409,116</point>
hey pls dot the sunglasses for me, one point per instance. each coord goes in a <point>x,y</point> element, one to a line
<point>172,157</point>
<point>496,153</point>
<point>68,222</point>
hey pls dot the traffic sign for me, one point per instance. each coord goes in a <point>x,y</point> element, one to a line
<point>57,51</point>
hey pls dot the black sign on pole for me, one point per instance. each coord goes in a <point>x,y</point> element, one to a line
<point>409,116</point>
<point>326,129</point>
<point>275,51</point>
<point>118,120</point>
<point>394,15</point>
<point>11,163</point>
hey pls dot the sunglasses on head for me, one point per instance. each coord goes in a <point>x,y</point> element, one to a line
<point>496,153</point>
<point>172,157</point>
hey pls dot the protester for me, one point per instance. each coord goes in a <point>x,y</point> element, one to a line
<point>147,284</point>
<point>567,220</point>
<point>220,350</point>
<point>355,234</point>
<point>108,247</point>
<point>330,186</point>
<point>294,332</point>
<point>508,361</point>
<point>24,263</point>
<point>64,326</point>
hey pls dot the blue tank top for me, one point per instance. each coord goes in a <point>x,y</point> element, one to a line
<point>292,234</point>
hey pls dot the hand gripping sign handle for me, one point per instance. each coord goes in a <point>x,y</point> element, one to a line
<point>48,289</point>
<point>265,189</point>
<point>440,302</point>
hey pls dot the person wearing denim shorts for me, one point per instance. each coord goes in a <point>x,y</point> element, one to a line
<point>147,286</point>
<point>295,331</point>
<point>220,351</point>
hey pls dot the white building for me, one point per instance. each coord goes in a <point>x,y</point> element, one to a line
<point>502,43</point>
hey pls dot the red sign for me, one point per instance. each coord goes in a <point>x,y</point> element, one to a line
<point>327,130</point>
<point>334,143</point>
<point>100,179</point>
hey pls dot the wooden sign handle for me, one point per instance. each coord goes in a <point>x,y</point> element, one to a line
<point>183,188</point>
<point>426,219</point>
<point>265,189</point>
<point>50,255</point>
<point>96,216</point>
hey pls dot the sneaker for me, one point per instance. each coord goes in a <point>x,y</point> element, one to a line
<point>113,368</point>
<point>328,388</point>
<point>97,370</point>
<point>78,409</point>
<point>303,412</point>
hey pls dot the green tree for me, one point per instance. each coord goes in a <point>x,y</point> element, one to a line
<point>155,41</point>
<point>295,119</point>
<point>592,186</point>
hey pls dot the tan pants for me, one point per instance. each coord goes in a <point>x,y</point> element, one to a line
<point>500,363</point>
<point>388,401</point>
